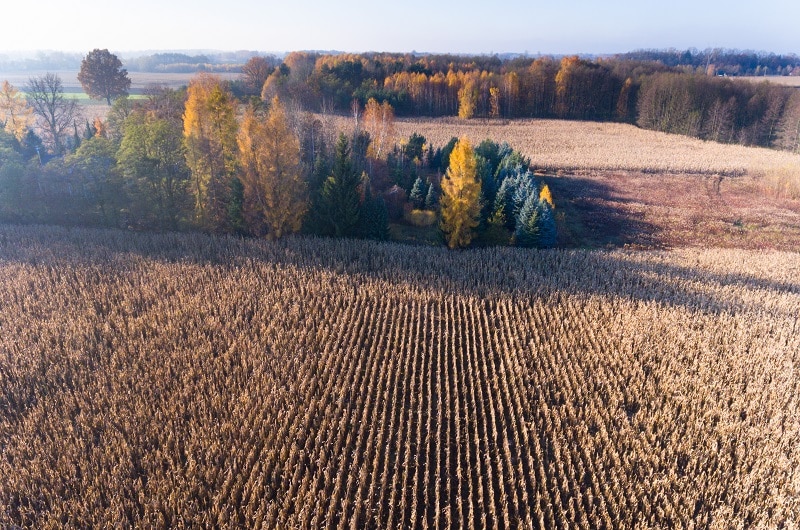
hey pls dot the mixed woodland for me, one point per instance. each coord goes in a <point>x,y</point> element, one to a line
<point>256,156</point>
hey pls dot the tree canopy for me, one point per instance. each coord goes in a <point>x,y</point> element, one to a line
<point>209,129</point>
<point>273,185</point>
<point>102,76</point>
<point>15,114</point>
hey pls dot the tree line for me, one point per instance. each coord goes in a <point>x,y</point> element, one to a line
<point>201,158</point>
<point>621,89</point>
<point>719,61</point>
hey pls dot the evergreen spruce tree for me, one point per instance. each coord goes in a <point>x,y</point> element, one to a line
<point>432,198</point>
<point>380,214</point>
<point>536,226</point>
<point>236,206</point>
<point>418,193</point>
<point>527,230</point>
<point>374,218</point>
<point>340,197</point>
<point>547,225</point>
<point>502,200</point>
<point>525,188</point>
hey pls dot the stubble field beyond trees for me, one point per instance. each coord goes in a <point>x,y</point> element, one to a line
<point>185,380</point>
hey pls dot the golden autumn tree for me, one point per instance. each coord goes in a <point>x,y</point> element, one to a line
<point>209,130</point>
<point>467,98</point>
<point>15,114</point>
<point>510,97</point>
<point>494,102</point>
<point>545,195</point>
<point>379,123</point>
<point>565,79</point>
<point>461,193</point>
<point>274,190</point>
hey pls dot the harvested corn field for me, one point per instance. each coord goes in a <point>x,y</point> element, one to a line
<point>185,381</point>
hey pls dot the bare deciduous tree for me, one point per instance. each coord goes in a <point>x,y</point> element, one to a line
<point>54,112</point>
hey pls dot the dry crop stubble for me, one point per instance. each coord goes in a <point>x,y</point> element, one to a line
<point>615,184</point>
<point>167,380</point>
<point>563,145</point>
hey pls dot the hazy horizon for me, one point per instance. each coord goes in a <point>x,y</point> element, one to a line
<point>581,26</point>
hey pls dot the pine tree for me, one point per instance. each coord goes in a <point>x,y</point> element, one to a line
<point>502,201</point>
<point>461,192</point>
<point>374,218</point>
<point>418,193</point>
<point>547,226</point>
<point>236,206</point>
<point>525,188</point>
<point>528,231</point>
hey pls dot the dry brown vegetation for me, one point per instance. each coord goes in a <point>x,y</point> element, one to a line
<point>619,185</point>
<point>185,381</point>
<point>564,145</point>
<point>785,80</point>
<point>561,145</point>
<point>618,208</point>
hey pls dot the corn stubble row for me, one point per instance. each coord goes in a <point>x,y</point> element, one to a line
<point>172,381</point>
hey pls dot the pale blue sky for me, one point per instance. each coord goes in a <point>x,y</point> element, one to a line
<point>549,27</point>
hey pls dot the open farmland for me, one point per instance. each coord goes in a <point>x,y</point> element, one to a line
<point>187,381</point>
<point>785,80</point>
<point>617,185</point>
<point>139,80</point>
<point>569,146</point>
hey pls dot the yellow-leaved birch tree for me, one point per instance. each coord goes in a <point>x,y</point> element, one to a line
<point>379,123</point>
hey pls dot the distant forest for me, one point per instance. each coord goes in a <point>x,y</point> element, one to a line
<point>177,62</point>
<point>691,92</point>
<point>723,61</point>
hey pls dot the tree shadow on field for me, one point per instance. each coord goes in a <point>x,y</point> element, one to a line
<point>386,268</point>
<point>590,214</point>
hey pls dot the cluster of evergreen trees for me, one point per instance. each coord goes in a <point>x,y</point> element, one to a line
<point>514,198</point>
